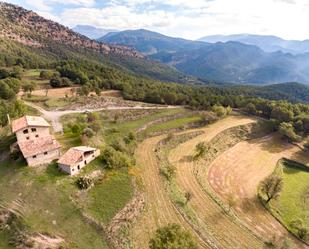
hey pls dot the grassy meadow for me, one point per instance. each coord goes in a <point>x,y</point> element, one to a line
<point>48,197</point>
<point>292,204</point>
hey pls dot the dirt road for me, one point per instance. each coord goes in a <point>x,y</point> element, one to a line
<point>54,116</point>
<point>159,208</point>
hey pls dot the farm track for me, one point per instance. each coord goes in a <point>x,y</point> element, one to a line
<point>216,226</point>
<point>55,116</point>
<point>159,208</point>
<point>235,173</point>
<point>224,231</point>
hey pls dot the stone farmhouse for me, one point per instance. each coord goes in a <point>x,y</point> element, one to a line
<point>34,140</point>
<point>76,158</point>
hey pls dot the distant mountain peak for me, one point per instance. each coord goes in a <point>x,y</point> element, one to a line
<point>91,31</point>
<point>149,42</point>
<point>268,43</point>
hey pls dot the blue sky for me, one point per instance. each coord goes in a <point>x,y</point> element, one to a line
<point>189,19</point>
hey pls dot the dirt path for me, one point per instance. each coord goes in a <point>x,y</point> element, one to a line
<point>54,116</point>
<point>159,208</point>
<point>225,232</point>
<point>237,173</point>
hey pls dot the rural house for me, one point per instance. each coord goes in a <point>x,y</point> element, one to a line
<point>30,127</point>
<point>34,140</point>
<point>76,158</point>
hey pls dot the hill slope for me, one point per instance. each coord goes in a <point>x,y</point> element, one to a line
<point>239,63</point>
<point>27,37</point>
<point>149,42</point>
<point>220,62</point>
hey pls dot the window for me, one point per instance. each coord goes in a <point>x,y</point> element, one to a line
<point>27,138</point>
<point>73,169</point>
<point>34,156</point>
<point>78,167</point>
<point>45,153</point>
<point>25,131</point>
<point>33,129</point>
<point>37,135</point>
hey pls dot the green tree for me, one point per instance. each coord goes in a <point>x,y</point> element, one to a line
<point>200,151</point>
<point>287,130</point>
<point>46,75</point>
<point>271,187</point>
<point>29,87</point>
<point>172,236</point>
<point>250,108</point>
<point>282,114</point>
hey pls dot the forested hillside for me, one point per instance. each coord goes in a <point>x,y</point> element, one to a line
<point>138,78</point>
<point>231,61</point>
<point>32,41</point>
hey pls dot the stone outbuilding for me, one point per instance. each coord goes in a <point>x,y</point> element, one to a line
<point>76,158</point>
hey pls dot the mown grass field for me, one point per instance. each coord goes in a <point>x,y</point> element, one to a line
<point>105,199</point>
<point>292,205</point>
<point>173,124</point>
<point>33,75</point>
<point>47,206</point>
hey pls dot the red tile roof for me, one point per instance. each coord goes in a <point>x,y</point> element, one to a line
<point>37,146</point>
<point>26,121</point>
<point>74,155</point>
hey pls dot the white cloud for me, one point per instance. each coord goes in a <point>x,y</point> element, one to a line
<point>85,3</point>
<point>116,17</point>
<point>185,18</point>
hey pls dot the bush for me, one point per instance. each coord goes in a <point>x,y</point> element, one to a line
<point>168,171</point>
<point>115,159</point>
<point>88,132</point>
<point>287,130</point>
<point>172,236</point>
<point>46,75</point>
<point>84,182</point>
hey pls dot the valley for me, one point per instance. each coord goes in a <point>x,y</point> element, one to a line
<point>138,140</point>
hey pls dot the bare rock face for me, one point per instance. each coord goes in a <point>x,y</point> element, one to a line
<point>30,29</point>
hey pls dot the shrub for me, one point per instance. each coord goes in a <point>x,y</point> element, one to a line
<point>88,132</point>
<point>287,130</point>
<point>172,236</point>
<point>84,182</point>
<point>115,159</point>
<point>168,171</point>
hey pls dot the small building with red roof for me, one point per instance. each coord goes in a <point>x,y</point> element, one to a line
<point>76,158</point>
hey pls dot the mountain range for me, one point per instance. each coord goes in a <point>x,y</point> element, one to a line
<point>149,42</point>
<point>268,43</point>
<point>32,41</point>
<point>230,61</point>
<point>36,41</point>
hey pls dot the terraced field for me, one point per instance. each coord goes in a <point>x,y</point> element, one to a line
<point>236,172</point>
<point>160,209</point>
